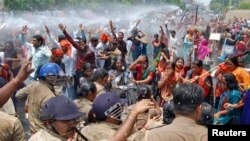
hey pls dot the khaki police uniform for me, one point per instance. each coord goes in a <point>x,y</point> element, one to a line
<point>181,129</point>
<point>11,128</point>
<point>46,135</point>
<point>38,93</point>
<point>99,89</point>
<point>84,105</point>
<point>9,108</point>
<point>99,131</point>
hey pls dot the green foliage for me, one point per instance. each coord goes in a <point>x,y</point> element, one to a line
<point>216,6</point>
<point>128,2</point>
<point>28,4</point>
<point>219,5</point>
<point>245,6</point>
<point>175,2</point>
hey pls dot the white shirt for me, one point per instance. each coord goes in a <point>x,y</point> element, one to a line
<point>40,56</point>
<point>100,48</point>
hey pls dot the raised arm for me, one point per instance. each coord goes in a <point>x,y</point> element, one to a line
<point>142,33</point>
<point>7,90</point>
<point>112,29</point>
<point>137,61</point>
<point>69,38</point>
<point>51,38</point>
<point>126,129</point>
<point>24,32</point>
<point>137,23</point>
<point>81,26</point>
<point>167,31</point>
<point>23,41</point>
<point>135,26</point>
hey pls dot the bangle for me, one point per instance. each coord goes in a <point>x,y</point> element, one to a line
<point>16,81</point>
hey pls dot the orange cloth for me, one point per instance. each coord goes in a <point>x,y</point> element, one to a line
<point>201,82</point>
<point>223,67</point>
<point>104,37</point>
<point>4,71</point>
<point>57,52</point>
<point>242,76</point>
<point>67,45</point>
<point>161,65</point>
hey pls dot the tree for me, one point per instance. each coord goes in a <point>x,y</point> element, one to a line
<point>176,2</point>
<point>31,5</point>
<point>245,6</point>
<point>28,4</point>
<point>219,5</point>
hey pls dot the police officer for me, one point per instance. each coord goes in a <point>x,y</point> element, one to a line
<point>107,110</point>
<point>11,128</point>
<point>187,100</point>
<point>86,95</point>
<point>60,116</point>
<point>41,91</point>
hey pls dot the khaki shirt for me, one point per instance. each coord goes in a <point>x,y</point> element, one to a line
<point>181,129</point>
<point>46,135</point>
<point>11,128</point>
<point>84,105</point>
<point>9,108</point>
<point>38,93</point>
<point>99,89</point>
<point>99,131</point>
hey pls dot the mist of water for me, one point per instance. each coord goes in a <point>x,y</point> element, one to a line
<point>123,17</point>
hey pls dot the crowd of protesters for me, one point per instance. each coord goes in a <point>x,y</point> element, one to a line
<point>104,86</point>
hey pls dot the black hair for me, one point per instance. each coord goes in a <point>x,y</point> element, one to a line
<point>207,114</point>
<point>173,31</point>
<point>198,63</point>
<point>61,37</point>
<point>100,74</point>
<point>144,92</point>
<point>187,97</point>
<point>146,58</point>
<point>93,39</point>
<point>231,82</point>
<point>179,58</point>
<point>85,67</point>
<point>39,38</point>
<point>9,42</point>
<point>116,59</point>
<point>166,52</point>
<point>168,112</point>
<point>172,64</point>
<point>234,60</point>
<point>233,37</point>
<point>156,35</point>
<point>86,88</point>
<point>121,33</point>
